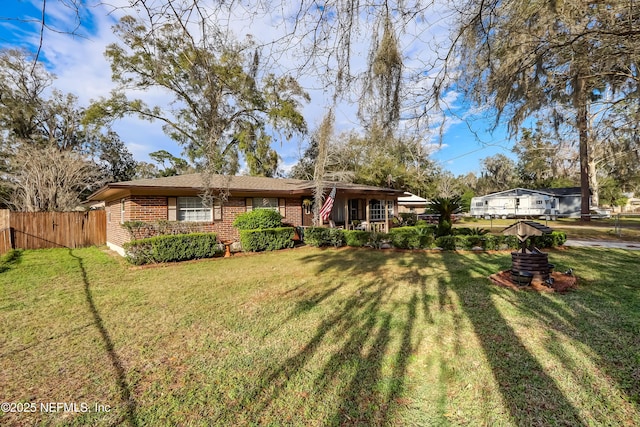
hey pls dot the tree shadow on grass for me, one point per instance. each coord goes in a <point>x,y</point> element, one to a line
<point>603,315</point>
<point>356,360</point>
<point>10,259</point>
<point>372,327</point>
<point>529,393</point>
<point>128,400</point>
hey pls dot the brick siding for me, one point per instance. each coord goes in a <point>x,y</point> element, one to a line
<point>155,208</point>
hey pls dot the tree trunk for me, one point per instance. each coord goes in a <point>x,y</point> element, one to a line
<point>582,124</point>
<point>593,178</point>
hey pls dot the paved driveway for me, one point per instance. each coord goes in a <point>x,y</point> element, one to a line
<point>602,244</point>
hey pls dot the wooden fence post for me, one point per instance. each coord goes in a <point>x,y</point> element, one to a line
<point>6,242</point>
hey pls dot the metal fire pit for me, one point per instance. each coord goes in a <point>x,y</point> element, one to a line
<point>529,259</point>
<point>521,278</point>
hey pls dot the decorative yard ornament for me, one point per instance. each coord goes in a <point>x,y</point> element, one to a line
<point>529,263</point>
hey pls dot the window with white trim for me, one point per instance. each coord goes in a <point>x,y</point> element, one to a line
<point>376,209</point>
<point>192,209</point>
<point>265,203</point>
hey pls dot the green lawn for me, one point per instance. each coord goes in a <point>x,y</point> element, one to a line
<point>319,337</point>
<point>626,229</point>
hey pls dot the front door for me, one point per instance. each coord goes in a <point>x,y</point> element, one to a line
<point>307,212</point>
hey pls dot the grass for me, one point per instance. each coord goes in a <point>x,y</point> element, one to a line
<point>627,229</point>
<point>319,337</point>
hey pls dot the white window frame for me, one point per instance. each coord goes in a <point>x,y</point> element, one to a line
<point>192,209</point>
<point>259,203</point>
<point>376,209</point>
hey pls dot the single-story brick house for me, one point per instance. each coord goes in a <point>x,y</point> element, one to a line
<point>177,198</point>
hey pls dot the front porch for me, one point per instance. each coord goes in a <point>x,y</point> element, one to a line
<point>368,214</point>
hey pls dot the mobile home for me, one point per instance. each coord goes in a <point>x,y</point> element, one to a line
<point>515,203</point>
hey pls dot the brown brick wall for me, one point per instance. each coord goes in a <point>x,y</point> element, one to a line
<point>154,208</point>
<point>148,208</point>
<point>293,212</point>
<point>116,235</point>
<point>230,210</point>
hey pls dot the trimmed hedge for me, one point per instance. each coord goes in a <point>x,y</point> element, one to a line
<point>323,236</point>
<point>142,230</point>
<point>258,219</point>
<point>356,238</point>
<point>412,237</point>
<point>267,239</point>
<point>421,237</point>
<point>556,238</point>
<point>448,243</point>
<point>170,248</point>
<point>494,242</point>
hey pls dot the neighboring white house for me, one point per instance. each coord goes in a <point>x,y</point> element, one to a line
<point>522,202</point>
<point>632,206</point>
<point>409,202</point>
<point>516,203</point>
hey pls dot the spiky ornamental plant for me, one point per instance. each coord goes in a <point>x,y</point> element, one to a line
<point>446,207</point>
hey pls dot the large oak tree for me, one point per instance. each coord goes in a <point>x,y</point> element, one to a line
<point>224,106</point>
<point>519,58</point>
<point>51,154</point>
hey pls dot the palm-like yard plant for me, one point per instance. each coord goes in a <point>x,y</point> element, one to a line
<point>445,207</point>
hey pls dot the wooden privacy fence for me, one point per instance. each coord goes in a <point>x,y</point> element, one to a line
<point>39,230</point>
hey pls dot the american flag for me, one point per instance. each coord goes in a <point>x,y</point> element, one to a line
<point>328,205</point>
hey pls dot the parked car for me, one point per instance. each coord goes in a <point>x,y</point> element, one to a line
<point>600,213</point>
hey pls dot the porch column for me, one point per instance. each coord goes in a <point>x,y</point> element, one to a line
<point>367,214</point>
<point>346,213</point>
<point>386,217</point>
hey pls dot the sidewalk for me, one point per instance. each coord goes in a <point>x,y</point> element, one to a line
<point>603,244</point>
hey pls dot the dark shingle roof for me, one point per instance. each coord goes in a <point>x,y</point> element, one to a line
<point>568,191</point>
<point>524,229</point>
<point>239,184</point>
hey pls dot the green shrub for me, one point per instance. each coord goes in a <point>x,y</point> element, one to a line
<point>492,242</point>
<point>461,231</point>
<point>323,236</point>
<point>356,238</point>
<point>467,231</point>
<point>377,239</point>
<point>444,228</point>
<point>429,229</point>
<point>422,237</point>
<point>478,231</point>
<point>268,239</point>
<point>556,238</point>
<point>472,241</point>
<point>336,237</point>
<point>408,219</point>
<point>411,237</point>
<point>511,242</point>
<point>258,219</point>
<point>142,230</point>
<point>170,248</point>
<point>316,236</point>
<point>448,243</point>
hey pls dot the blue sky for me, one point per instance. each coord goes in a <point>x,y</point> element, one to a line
<point>81,68</point>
